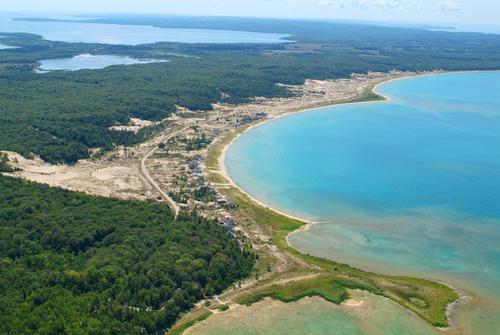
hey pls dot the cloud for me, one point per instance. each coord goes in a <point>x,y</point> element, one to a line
<point>378,3</point>
<point>450,5</point>
<point>443,5</point>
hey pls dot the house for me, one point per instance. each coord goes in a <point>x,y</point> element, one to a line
<point>260,116</point>
<point>221,200</point>
<point>193,164</point>
<point>228,224</point>
<point>197,172</point>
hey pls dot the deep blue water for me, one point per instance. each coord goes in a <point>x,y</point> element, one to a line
<point>409,186</point>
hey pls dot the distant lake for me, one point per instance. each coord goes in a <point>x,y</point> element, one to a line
<point>410,186</point>
<point>128,34</point>
<point>474,28</point>
<point>90,62</point>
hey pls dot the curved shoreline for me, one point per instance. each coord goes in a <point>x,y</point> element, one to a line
<point>221,160</point>
<point>307,224</point>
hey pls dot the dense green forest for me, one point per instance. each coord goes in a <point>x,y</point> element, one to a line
<point>61,115</point>
<point>75,264</point>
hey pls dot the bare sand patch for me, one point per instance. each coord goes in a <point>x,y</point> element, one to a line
<point>110,172</point>
<point>115,175</point>
<point>134,125</point>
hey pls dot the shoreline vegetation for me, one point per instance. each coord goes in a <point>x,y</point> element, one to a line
<point>304,275</point>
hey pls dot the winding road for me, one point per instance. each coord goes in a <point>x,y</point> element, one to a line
<point>171,203</point>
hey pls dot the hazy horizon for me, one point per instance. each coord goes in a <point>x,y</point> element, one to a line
<point>406,11</point>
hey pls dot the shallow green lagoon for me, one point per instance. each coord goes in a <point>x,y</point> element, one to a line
<point>314,316</point>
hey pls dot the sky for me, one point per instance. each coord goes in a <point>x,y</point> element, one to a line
<point>428,11</point>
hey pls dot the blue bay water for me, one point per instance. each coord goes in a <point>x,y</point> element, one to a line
<point>410,186</point>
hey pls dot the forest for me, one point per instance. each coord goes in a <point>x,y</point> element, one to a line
<point>76,264</point>
<point>59,116</point>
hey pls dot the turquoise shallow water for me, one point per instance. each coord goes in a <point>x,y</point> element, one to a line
<point>90,62</point>
<point>408,186</point>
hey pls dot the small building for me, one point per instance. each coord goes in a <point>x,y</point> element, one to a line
<point>228,224</point>
<point>260,116</point>
<point>231,205</point>
<point>221,200</point>
<point>193,164</point>
<point>197,172</point>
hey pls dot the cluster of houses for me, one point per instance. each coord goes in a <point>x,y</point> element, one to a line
<point>222,201</point>
<point>249,119</point>
<point>195,170</point>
